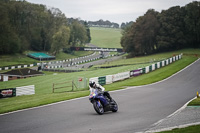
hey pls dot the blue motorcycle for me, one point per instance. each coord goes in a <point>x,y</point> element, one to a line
<point>102,103</point>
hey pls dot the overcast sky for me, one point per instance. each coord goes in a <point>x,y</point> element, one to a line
<point>117,11</point>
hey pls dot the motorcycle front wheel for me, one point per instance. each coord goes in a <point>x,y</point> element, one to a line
<point>98,107</point>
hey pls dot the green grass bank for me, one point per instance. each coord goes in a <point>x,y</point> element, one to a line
<point>106,37</point>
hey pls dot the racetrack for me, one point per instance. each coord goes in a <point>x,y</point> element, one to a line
<point>139,108</point>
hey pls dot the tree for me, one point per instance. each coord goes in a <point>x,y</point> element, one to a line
<point>126,25</point>
<point>88,32</point>
<point>140,38</point>
<point>150,27</point>
<point>127,40</point>
<point>27,26</point>
<point>60,39</point>
<point>9,40</point>
<point>172,29</point>
<point>78,35</point>
<point>171,34</point>
<point>192,21</point>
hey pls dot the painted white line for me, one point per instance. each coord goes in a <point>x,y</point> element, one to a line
<point>87,96</point>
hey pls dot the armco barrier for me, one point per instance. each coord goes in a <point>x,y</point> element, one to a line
<point>147,69</point>
<point>153,67</point>
<point>143,70</point>
<point>158,64</point>
<point>167,62</point>
<point>150,68</point>
<point>174,59</point>
<point>109,79</point>
<point>121,76</point>
<point>163,63</point>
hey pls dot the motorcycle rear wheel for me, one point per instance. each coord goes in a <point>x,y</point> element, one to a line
<point>115,108</point>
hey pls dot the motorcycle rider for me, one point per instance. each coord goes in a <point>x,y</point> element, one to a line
<point>99,88</point>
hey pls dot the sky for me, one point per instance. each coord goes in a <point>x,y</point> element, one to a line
<point>117,11</point>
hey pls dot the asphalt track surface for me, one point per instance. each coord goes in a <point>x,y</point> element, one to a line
<point>139,108</point>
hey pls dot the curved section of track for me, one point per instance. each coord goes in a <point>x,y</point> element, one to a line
<point>139,108</point>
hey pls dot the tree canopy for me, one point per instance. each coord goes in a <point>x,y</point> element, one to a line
<point>172,29</point>
<point>26,26</point>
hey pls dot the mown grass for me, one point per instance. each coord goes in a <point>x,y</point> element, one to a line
<point>43,84</point>
<point>195,102</point>
<point>16,59</point>
<point>106,37</point>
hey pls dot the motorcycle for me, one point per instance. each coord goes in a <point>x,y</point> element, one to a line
<point>102,103</point>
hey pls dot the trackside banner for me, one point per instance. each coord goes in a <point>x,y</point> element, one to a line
<point>135,72</point>
<point>96,49</point>
<point>4,93</point>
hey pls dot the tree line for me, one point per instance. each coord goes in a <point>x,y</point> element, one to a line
<point>172,29</point>
<point>26,26</point>
<point>102,23</point>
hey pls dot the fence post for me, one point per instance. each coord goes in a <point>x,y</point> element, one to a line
<point>72,85</point>
<point>53,87</point>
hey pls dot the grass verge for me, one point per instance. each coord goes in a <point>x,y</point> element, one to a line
<point>195,102</point>
<point>190,129</point>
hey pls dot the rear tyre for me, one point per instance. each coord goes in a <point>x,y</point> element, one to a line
<point>98,107</point>
<point>115,106</point>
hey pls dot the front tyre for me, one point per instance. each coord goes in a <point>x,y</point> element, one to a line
<point>98,107</point>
